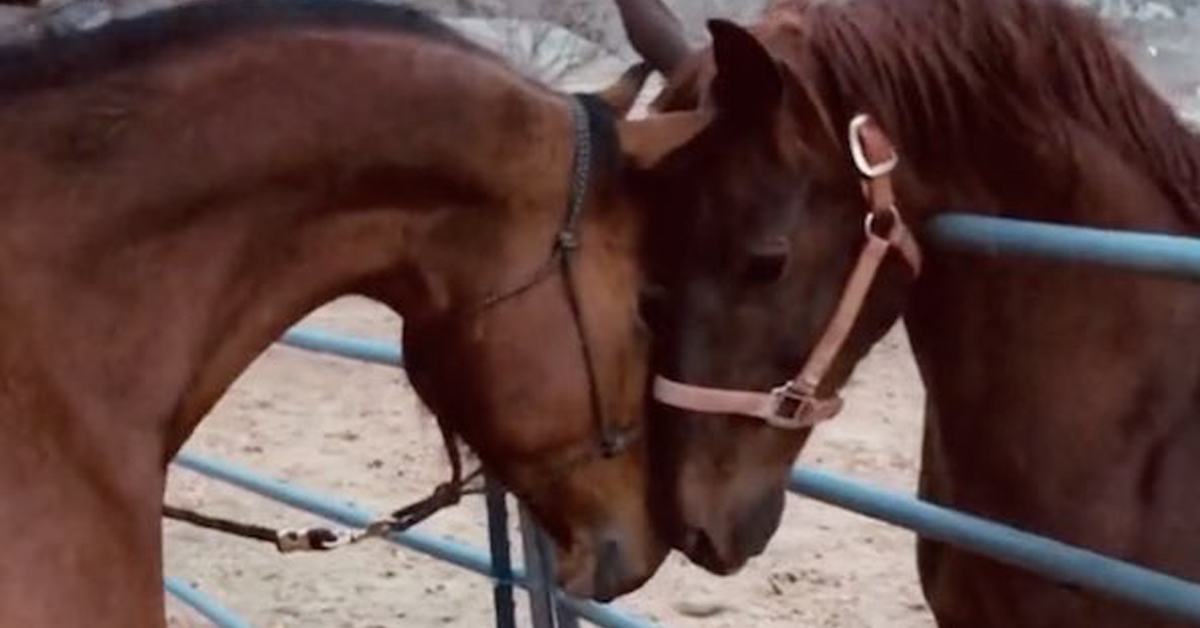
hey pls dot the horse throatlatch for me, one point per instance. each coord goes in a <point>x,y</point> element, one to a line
<point>795,404</point>
<point>612,440</point>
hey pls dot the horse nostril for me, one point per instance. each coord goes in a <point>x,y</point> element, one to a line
<point>699,547</point>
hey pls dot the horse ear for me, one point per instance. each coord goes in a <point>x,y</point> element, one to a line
<point>622,95</point>
<point>645,142</point>
<point>748,80</point>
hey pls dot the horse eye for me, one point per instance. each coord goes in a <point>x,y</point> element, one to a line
<point>766,267</point>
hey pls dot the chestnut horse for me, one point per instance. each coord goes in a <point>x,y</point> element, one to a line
<point>181,187</point>
<point>1062,398</point>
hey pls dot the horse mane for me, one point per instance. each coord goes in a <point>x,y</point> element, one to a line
<point>55,59</point>
<point>938,72</point>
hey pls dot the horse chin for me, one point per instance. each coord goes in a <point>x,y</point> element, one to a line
<point>577,573</point>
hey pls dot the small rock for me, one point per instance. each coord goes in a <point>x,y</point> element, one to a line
<point>700,608</point>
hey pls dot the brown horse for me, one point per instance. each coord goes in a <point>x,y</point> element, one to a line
<point>180,188</point>
<point>1062,398</point>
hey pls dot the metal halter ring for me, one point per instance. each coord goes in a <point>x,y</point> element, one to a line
<point>859,154</point>
<point>890,212</point>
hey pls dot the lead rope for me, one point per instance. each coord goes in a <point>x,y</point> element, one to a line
<point>287,540</point>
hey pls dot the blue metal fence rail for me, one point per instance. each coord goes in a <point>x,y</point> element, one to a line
<point>209,608</point>
<point>361,349</point>
<point>1159,254</point>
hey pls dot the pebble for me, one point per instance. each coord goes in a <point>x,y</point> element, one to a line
<point>700,608</point>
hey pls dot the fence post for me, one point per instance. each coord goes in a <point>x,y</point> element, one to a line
<point>539,569</point>
<point>502,572</point>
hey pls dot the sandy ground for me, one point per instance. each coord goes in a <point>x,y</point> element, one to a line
<point>357,430</point>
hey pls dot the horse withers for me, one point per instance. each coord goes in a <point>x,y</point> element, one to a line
<point>180,188</point>
<point>1061,398</point>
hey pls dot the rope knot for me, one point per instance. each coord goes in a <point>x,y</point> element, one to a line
<point>311,540</point>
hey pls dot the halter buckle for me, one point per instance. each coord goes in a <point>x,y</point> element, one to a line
<point>791,407</point>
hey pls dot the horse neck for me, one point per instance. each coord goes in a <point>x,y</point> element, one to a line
<point>202,202</point>
<point>1069,174</point>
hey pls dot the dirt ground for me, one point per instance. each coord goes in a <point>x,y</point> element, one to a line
<point>357,431</point>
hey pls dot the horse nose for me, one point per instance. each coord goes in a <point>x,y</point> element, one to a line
<point>724,550</point>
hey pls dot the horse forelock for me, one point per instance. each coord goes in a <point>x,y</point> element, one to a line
<point>936,72</point>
